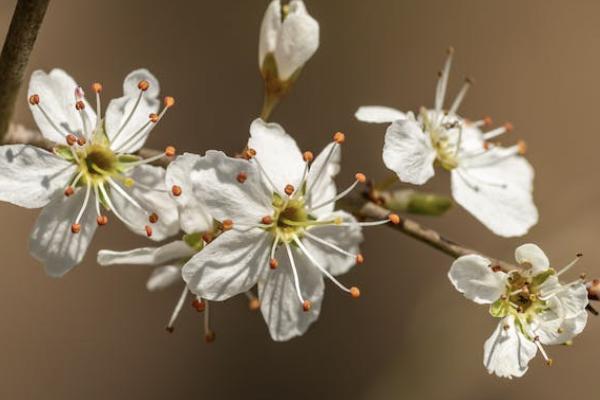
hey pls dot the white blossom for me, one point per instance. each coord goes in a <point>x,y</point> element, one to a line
<point>534,307</point>
<point>90,169</point>
<point>280,229</point>
<point>493,183</point>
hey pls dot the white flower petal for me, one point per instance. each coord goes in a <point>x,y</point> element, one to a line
<point>172,251</point>
<point>573,299</point>
<point>57,97</point>
<point>278,154</point>
<point>30,176</point>
<point>378,114</point>
<point>507,352</point>
<point>531,254</point>
<point>497,196</point>
<point>119,112</point>
<point>163,277</point>
<point>269,31</point>
<point>321,181</point>
<point>279,302</point>
<point>214,181</point>
<point>52,241</point>
<point>408,152</point>
<point>553,326</point>
<point>347,238</point>
<point>472,276</point>
<point>193,213</point>
<point>151,200</point>
<point>298,40</point>
<point>229,265</point>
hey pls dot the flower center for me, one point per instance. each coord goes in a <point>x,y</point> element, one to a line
<point>97,162</point>
<point>291,218</point>
<point>440,133</point>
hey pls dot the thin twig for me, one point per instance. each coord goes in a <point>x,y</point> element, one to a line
<point>23,31</point>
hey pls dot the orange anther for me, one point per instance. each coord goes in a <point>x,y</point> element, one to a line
<point>153,117</point>
<point>273,263</point>
<point>360,177</point>
<point>199,305</point>
<point>306,305</point>
<point>394,218</point>
<point>143,85</point>
<point>34,100</point>
<point>488,121</point>
<point>75,228</point>
<point>176,190</point>
<point>266,220</point>
<point>249,153</point>
<point>71,139</point>
<point>227,224</point>
<point>308,156</point>
<point>102,220</point>
<point>81,141</point>
<point>169,101</point>
<point>339,137</point>
<point>241,177</point>
<point>354,292</point>
<point>254,304</point>
<point>522,147</point>
<point>153,218</point>
<point>289,189</point>
<point>97,87</point>
<point>80,105</point>
<point>210,337</point>
<point>169,151</point>
<point>360,259</point>
<point>69,191</point>
<point>148,230</point>
<point>508,126</point>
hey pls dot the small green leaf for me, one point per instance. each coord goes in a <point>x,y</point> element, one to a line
<point>64,152</point>
<point>194,240</point>
<point>499,308</point>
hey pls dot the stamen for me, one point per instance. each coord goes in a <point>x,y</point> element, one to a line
<point>273,263</point>
<point>289,189</point>
<point>323,270</point>
<point>360,178</point>
<point>169,151</point>
<point>460,96</point>
<point>126,196</point>
<point>178,306</point>
<point>548,360</point>
<point>506,128</point>
<point>143,86</point>
<point>176,190</point>
<point>486,121</point>
<point>80,106</point>
<point>442,84</point>
<point>253,302</point>
<point>112,207</point>
<point>153,218</point>
<point>81,141</point>
<point>75,228</point>
<point>334,247</point>
<point>71,139</point>
<point>521,147</point>
<point>266,220</point>
<point>241,177</point>
<point>97,88</point>
<point>34,100</point>
<point>570,265</point>
<point>262,170</point>
<point>198,304</point>
<point>102,220</point>
<point>153,119</point>
<point>227,224</point>
<point>307,156</point>
<point>69,191</point>
<point>305,303</point>
<point>339,137</point>
<point>324,165</point>
<point>209,334</point>
<point>86,199</point>
<point>148,230</point>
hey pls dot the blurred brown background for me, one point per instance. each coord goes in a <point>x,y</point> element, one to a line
<point>97,333</point>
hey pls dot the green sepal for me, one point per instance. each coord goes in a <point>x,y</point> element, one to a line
<point>64,152</point>
<point>194,240</point>
<point>499,308</point>
<point>99,136</point>
<point>542,277</point>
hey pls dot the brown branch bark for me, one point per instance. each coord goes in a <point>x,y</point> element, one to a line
<point>21,36</point>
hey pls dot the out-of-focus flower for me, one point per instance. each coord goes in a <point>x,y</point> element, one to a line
<point>280,230</point>
<point>91,168</point>
<point>493,183</point>
<point>534,307</point>
<point>289,36</point>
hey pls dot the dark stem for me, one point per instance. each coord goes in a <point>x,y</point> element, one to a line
<point>23,31</point>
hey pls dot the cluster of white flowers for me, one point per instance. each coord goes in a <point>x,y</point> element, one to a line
<point>267,218</point>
